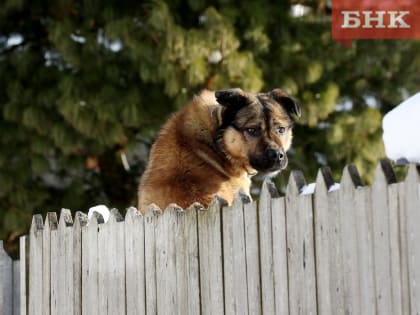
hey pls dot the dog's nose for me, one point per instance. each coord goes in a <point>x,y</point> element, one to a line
<point>274,155</point>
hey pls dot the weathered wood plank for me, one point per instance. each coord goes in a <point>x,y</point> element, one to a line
<point>24,270</point>
<point>349,182</point>
<point>51,223</point>
<point>395,250</point>
<point>6,282</point>
<point>210,251</point>
<point>280,274</point>
<point>252,251</point>
<point>187,264</point>
<point>134,262</point>
<point>16,287</point>
<point>300,245</point>
<point>90,267</point>
<point>413,236</point>
<point>111,260</point>
<point>403,244</point>
<point>362,208</point>
<point>165,231</point>
<point>381,238</point>
<point>65,295</point>
<point>234,258</point>
<point>80,220</point>
<point>266,247</point>
<point>327,245</point>
<point>150,217</point>
<point>35,266</point>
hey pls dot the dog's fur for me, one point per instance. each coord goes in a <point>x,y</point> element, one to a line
<point>215,144</point>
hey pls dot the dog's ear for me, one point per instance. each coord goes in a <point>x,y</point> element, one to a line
<point>286,101</point>
<point>232,100</point>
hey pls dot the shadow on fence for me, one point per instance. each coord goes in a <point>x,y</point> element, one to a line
<point>352,250</point>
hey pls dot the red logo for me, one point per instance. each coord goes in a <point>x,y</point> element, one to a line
<point>370,19</point>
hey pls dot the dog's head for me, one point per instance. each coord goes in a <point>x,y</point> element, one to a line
<point>256,129</point>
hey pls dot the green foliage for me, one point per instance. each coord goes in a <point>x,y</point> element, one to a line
<point>87,83</point>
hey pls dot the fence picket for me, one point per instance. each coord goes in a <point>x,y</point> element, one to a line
<point>187,264</point>
<point>234,258</point>
<point>413,236</point>
<point>6,282</point>
<point>90,267</point>
<point>266,247</point>
<point>16,288</point>
<point>50,224</point>
<point>349,182</point>
<point>35,266</point>
<point>403,244</point>
<point>23,273</point>
<point>362,212</point>
<point>165,232</point>
<point>80,220</point>
<point>252,252</point>
<point>111,260</point>
<point>280,274</point>
<point>384,176</point>
<point>396,252</point>
<point>300,245</point>
<point>150,217</point>
<point>210,253</point>
<point>327,244</point>
<point>64,280</point>
<point>134,262</point>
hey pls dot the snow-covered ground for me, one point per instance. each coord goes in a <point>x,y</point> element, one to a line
<point>402,131</point>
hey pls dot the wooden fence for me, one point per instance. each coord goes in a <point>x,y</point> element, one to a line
<point>352,250</point>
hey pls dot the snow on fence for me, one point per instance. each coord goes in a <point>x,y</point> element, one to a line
<point>352,250</point>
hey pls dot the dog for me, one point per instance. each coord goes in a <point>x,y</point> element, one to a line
<point>215,144</point>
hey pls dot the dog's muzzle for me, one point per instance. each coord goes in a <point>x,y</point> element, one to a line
<point>272,160</point>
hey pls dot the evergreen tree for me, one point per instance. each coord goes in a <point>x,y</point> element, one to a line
<point>85,85</point>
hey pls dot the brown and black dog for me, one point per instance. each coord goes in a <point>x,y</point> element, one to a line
<point>215,144</point>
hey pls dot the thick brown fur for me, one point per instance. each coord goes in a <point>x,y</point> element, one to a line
<point>215,144</point>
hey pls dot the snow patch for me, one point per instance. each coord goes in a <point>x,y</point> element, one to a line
<point>308,189</point>
<point>401,130</point>
<point>334,187</point>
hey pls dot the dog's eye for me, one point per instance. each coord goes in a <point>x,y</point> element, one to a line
<point>281,130</point>
<point>254,131</point>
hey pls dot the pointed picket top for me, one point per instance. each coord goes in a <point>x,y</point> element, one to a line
<point>240,198</point>
<point>196,206</point>
<point>96,219</point>
<point>36,224</point>
<point>3,252</point>
<point>115,216</point>
<point>152,210</point>
<point>173,207</point>
<point>350,178</point>
<point>384,174</point>
<point>296,183</point>
<point>324,180</point>
<point>51,221</point>
<point>413,174</point>
<point>65,219</point>
<point>132,213</point>
<point>217,203</point>
<point>80,219</point>
<point>268,189</point>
